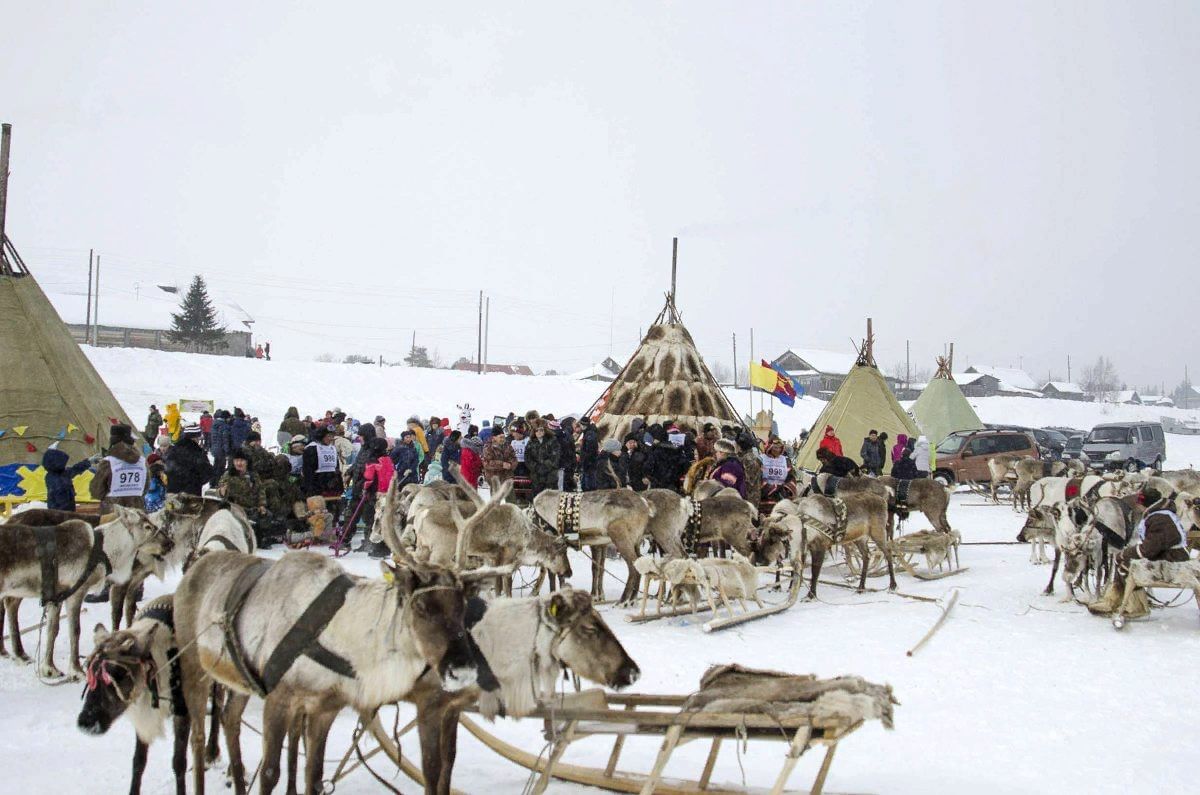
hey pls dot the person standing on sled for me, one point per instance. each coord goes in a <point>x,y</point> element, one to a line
<point>831,442</point>
<point>778,477</point>
<point>728,469</point>
<point>1160,536</point>
<point>870,453</point>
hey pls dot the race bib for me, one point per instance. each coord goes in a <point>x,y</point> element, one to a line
<point>518,447</point>
<point>774,470</point>
<point>326,458</point>
<point>128,480</point>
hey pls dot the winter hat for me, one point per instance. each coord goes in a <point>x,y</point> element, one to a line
<point>298,439</point>
<point>633,437</point>
<point>120,433</point>
<point>486,423</point>
<point>585,420</point>
<point>379,446</point>
<point>163,442</point>
<point>724,446</point>
<point>379,418</point>
<point>242,454</point>
<point>611,446</point>
<point>253,436</point>
<point>872,432</point>
<point>407,433</point>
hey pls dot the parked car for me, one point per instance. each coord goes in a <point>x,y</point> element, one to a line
<point>963,455</point>
<point>1052,440</point>
<point>1126,445</point>
<point>1074,446</point>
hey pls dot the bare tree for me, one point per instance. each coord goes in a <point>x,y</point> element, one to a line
<point>722,372</point>
<point>325,357</point>
<point>1100,380</point>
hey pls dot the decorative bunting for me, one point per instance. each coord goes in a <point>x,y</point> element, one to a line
<point>72,427</point>
<point>112,420</point>
<point>87,437</point>
<point>62,434</point>
<point>29,446</point>
<point>20,429</point>
<point>3,431</point>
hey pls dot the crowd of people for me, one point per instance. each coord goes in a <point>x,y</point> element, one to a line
<point>910,457</point>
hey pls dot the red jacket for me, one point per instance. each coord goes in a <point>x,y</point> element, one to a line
<point>206,424</point>
<point>471,465</point>
<point>377,475</point>
<point>831,443</point>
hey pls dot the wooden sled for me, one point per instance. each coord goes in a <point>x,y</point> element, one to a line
<point>906,549</point>
<point>710,606</point>
<point>596,713</point>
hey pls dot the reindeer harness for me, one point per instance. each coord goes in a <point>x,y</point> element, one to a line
<point>300,640</point>
<point>841,518</point>
<point>47,551</point>
<point>691,530</point>
<point>98,668</point>
<point>567,518</point>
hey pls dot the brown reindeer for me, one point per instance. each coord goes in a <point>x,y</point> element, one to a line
<point>35,517</point>
<point>817,523</point>
<point>311,639</point>
<point>82,557</point>
<point>926,495</point>
<point>522,646</point>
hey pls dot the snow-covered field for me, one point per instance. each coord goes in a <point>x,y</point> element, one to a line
<point>1017,693</point>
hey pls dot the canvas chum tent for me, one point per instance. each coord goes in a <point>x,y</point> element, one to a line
<point>863,402</point>
<point>49,391</point>
<point>942,409</point>
<point>665,379</point>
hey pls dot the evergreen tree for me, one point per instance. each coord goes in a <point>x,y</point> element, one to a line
<point>418,357</point>
<point>195,325</point>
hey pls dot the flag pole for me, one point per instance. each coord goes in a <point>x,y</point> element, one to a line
<point>750,383</point>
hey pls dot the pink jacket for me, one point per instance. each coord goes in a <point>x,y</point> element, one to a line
<point>378,475</point>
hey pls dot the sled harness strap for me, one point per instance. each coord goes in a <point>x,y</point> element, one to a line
<point>47,551</point>
<point>165,613</point>
<point>567,520</point>
<point>301,639</point>
<point>691,530</point>
<point>831,484</point>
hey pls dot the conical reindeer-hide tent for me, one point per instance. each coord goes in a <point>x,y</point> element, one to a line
<point>863,402</point>
<point>942,408</point>
<point>666,379</point>
<point>49,391</point>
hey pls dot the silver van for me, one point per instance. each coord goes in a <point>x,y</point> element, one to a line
<point>1125,445</point>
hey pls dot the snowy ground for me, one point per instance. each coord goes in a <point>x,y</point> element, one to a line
<point>1017,693</point>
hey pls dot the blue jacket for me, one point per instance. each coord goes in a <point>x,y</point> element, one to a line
<point>221,444</point>
<point>404,456</point>
<point>60,491</point>
<point>239,429</point>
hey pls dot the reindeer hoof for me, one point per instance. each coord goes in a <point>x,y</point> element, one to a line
<point>1048,592</point>
<point>49,672</point>
<point>810,597</point>
<point>1118,621</point>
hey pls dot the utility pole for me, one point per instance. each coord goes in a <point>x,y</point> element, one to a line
<point>907,364</point>
<point>751,384</point>
<point>674,263</point>
<point>1069,368</point>
<point>96,307</point>
<point>87,324</point>
<point>412,350</point>
<point>479,337</point>
<point>735,361</point>
<point>487,317</point>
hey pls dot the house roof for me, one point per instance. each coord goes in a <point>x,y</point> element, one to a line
<point>146,309</point>
<point>1066,387</point>
<point>1018,379</point>
<point>1126,395</point>
<point>968,378</point>
<point>829,362</point>
<point>596,372</point>
<point>503,369</point>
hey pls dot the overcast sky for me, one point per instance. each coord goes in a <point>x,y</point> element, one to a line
<point>1019,178</point>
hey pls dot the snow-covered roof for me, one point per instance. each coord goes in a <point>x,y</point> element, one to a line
<point>1065,387</point>
<point>829,362</point>
<point>801,373</point>
<point>1156,400</point>
<point>1018,379</point>
<point>1125,396</point>
<point>148,308</point>
<point>596,371</point>
<point>967,378</point>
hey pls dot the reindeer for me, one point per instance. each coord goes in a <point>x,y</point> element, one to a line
<point>236,619</point>
<point>225,529</point>
<point>1111,521</point>
<point>1029,469</point>
<point>80,558</point>
<point>999,468</point>
<point>522,646</point>
<point>34,517</point>
<point>926,495</point>
<point>619,516</point>
<point>182,518</point>
<point>724,517</point>
<point>818,523</point>
<point>496,531</point>
<point>1057,523</point>
<point>135,671</point>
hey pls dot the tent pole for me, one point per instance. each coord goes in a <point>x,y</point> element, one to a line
<point>87,323</point>
<point>751,383</point>
<point>674,263</point>
<point>5,143</point>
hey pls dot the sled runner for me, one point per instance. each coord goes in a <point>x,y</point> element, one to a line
<point>939,550</point>
<point>815,712</point>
